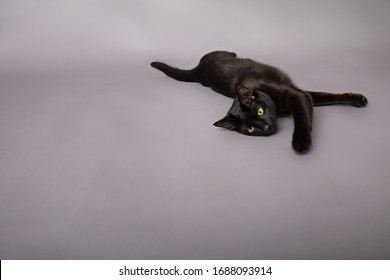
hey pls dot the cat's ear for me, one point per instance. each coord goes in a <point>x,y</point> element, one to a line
<point>227,122</point>
<point>245,95</point>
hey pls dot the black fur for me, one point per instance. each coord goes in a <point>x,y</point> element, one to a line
<point>261,94</point>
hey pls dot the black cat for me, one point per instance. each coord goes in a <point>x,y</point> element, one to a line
<point>261,94</point>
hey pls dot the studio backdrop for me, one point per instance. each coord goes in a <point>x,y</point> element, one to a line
<point>104,157</point>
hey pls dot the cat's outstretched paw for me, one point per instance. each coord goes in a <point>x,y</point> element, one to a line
<point>301,143</point>
<point>359,100</point>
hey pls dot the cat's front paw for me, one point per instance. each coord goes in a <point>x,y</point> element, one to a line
<point>301,142</point>
<point>359,100</point>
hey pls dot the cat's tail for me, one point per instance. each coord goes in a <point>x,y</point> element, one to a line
<point>177,74</point>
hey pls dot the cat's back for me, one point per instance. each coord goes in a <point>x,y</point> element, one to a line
<point>217,56</point>
<point>227,64</point>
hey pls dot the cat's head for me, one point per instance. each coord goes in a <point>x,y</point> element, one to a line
<point>253,113</point>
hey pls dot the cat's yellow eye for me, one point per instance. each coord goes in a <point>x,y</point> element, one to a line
<point>251,129</point>
<point>260,112</point>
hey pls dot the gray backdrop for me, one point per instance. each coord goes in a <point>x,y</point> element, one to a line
<point>103,157</point>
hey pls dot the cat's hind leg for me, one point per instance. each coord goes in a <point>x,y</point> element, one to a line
<point>326,98</point>
<point>177,74</point>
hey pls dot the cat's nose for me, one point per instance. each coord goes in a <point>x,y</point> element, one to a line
<point>271,129</point>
